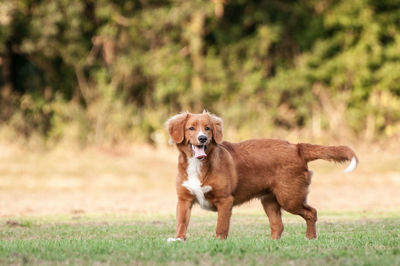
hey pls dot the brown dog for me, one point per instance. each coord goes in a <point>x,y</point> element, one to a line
<point>219,175</point>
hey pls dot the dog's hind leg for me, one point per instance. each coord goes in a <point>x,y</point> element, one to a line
<point>293,198</point>
<point>310,215</point>
<point>273,211</point>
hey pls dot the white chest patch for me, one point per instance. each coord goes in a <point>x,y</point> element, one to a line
<point>193,183</point>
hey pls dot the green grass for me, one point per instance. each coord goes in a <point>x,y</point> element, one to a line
<point>349,239</point>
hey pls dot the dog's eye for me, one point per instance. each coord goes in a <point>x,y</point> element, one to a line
<point>207,128</point>
<point>191,128</point>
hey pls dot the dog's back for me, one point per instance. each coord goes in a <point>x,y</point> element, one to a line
<point>264,164</point>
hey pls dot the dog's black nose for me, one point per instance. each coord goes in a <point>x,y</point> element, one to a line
<point>202,138</point>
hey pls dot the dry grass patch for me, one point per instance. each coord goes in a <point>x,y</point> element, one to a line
<point>141,179</point>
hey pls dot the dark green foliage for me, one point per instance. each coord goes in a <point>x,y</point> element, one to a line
<point>112,70</point>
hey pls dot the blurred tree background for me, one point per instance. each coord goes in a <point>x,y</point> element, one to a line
<point>108,71</point>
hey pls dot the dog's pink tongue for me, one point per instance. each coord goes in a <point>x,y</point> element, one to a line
<point>199,152</point>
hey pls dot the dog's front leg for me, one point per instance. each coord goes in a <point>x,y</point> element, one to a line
<point>183,210</point>
<point>224,207</point>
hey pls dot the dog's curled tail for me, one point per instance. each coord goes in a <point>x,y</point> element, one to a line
<point>340,154</point>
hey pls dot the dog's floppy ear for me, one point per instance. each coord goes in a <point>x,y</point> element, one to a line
<point>176,127</point>
<point>217,128</point>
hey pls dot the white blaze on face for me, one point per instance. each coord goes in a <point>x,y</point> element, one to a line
<point>193,183</point>
<point>201,133</point>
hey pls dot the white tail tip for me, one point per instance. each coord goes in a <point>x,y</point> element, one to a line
<point>352,165</point>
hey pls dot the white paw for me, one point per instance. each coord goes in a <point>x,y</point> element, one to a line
<point>173,239</point>
<point>206,189</point>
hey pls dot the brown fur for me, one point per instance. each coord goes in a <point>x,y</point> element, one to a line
<point>272,170</point>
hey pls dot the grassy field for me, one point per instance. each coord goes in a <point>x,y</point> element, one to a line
<point>344,239</point>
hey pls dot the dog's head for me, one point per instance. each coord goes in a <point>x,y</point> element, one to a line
<point>195,134</point>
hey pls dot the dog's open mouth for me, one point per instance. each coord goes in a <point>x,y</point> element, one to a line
<point>199,151</point>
